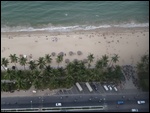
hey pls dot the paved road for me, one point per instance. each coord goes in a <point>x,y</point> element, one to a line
<point>48,101</point>
<point>108,101</point>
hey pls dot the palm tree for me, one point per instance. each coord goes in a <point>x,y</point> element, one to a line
<point>23,61</point>
<point>32,65</point>
<point>48,58</point>
<point>140,67</point>
<point>144,58</point>
<point>9,75</point>
<point>69,81</point>
<point>37,83</point>
<point>4,63</point>
<point>99,64</point>
<point>143,65</point>
<point>41,62</point>
<point>115,58</point>
<point>90,59</point>
<point>13,59</point>
<point>118,73</point>
<point>19,83</point>
<point>105,60</point>
<point>4,87</point>
<point>59,59</point>
<point>35,74</point>
<point>69,68</point>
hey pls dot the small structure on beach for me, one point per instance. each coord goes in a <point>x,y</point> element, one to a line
<point>53,53</point>
<point>79,52</point>
<point>70,53</point>
<point>75,60</point>
<point>85,60</point>
<point>61,54</point>
<point>67,60</point>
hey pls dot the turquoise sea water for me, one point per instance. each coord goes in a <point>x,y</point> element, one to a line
<point>72,15</point>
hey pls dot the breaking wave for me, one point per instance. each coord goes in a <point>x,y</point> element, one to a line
<point>68,28</point>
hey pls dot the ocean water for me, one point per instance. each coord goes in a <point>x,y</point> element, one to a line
<point>72,15</point>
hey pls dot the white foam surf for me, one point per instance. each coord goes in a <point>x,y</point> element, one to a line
<point>69,28</point>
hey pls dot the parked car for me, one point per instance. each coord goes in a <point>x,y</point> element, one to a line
<point>58,104</point>
<point>115,88</point>
<point>105,87</point>
<point>94,86</point>
<point>110,87</point>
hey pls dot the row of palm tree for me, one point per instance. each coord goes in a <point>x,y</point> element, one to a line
<point>23,61</point>
<point>48,59</point>
<point>42,75</point>
<point>143,72</point>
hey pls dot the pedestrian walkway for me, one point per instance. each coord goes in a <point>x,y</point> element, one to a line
<point>29,92</point>
<point>129,84</point>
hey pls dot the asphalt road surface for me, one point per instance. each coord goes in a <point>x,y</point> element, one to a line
<point>108,101</point>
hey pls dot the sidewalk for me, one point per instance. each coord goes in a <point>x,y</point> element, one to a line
<point>29,93</point>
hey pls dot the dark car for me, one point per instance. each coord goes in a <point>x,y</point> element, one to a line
<point>94,86</point>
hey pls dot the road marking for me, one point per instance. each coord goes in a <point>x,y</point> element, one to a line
<point>74,108</point>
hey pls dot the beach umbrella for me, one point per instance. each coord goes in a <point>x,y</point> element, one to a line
<point>75,60</point>
<point>79,52</point>
<point>53,53</point>
<point>85,60</point>
<point>67,60</point>
<point>61,54</point>
<point>70,53</point>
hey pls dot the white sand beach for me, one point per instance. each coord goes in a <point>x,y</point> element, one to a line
<point>128,43</point>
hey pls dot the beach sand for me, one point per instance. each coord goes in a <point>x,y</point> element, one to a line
<point>129,43</point>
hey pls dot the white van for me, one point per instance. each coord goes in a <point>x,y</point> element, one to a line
<point>115,89</point>
<point>89,87</point>
<point>134,110</point>
<point>58,104</point>
<point>141,102</point>
<point>105,87</point>
<point>79,87</point>
<point>110,87</point>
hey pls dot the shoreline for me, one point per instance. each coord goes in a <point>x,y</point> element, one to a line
<point>129,43</point>
<point>109,29</point>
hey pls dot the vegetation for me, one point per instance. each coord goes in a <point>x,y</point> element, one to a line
<point>41,75</point>
<point>90,59</point>
<point>143,72</point>
<point>4,63</point>
<point>13,58</point>
<point>59,59</point>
